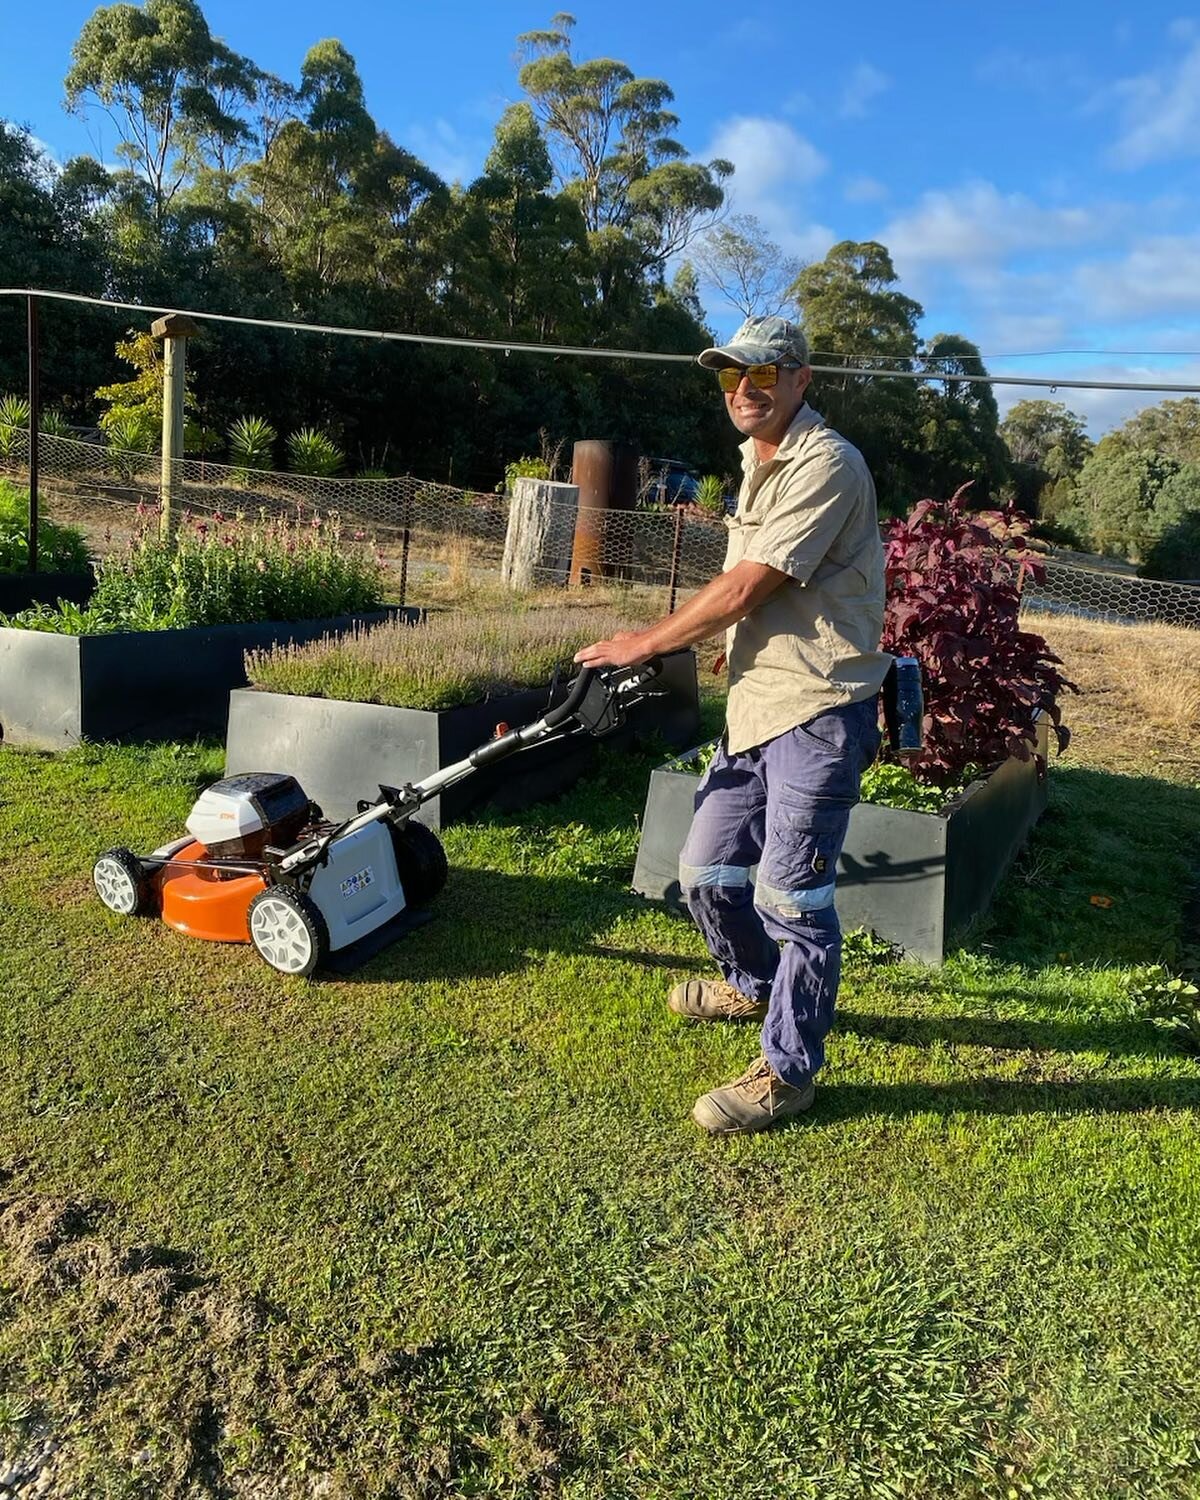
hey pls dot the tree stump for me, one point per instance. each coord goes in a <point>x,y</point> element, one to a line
<point>541,528</point>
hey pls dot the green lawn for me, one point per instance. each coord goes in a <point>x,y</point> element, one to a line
<point>445,1228</point>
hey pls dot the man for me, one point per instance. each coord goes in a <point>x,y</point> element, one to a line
<point>801,602</point>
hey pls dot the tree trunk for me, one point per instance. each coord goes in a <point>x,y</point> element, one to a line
<point>541,526</point>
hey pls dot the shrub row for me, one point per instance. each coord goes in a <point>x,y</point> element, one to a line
<point>222,570</point>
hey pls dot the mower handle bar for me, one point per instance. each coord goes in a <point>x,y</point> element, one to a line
<point>571,702</point>
<point>650,668</point>
<point>496,749</point>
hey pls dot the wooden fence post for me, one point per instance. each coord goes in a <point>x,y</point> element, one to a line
<point>174,330</point>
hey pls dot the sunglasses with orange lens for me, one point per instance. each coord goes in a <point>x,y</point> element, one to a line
<point>762,377</point>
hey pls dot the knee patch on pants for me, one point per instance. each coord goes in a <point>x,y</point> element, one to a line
<point>700,877</point>
<point>793,903</point>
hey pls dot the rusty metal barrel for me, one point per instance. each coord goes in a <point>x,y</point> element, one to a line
<point>607,477</point>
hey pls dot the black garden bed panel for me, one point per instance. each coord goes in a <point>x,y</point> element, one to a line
<point>21,590</point>
<point>56,690</point>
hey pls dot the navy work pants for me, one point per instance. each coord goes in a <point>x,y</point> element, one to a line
<point>784,807</point>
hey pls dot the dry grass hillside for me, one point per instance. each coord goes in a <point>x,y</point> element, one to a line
<point>1138,706</point>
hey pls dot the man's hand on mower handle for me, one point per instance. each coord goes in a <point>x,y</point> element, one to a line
<point>628,648</point>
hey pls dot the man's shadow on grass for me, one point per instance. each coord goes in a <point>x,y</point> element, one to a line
<point>1001,1096</point>
<point>1132,1038</point>
<point>488,923</point>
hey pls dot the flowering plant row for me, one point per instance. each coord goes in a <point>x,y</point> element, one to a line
<point>223,570</point>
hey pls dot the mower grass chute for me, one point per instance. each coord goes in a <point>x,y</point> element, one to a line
<point>261,865</point>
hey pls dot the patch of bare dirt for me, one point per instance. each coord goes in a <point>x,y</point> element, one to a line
<point>189,1390</point>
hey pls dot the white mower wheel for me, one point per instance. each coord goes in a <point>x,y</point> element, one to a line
<point>288,931</point>
<point>121,883</point>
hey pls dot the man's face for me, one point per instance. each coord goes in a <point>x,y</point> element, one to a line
<point>767,414</point>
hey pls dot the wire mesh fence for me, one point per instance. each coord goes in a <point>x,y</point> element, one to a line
<point>432,536</point>
<point>1117,597</point>
<point>436,538</point>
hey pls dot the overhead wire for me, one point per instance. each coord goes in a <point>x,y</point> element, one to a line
<point>1022,354</point>
<point>516,346</point>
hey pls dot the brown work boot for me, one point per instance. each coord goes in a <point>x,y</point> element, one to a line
<point>754,1101</point>
<point>714,1000</point>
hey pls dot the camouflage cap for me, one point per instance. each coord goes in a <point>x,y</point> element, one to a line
<point>759,341</point>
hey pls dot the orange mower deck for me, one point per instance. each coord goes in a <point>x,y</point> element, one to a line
<point>207,903</point>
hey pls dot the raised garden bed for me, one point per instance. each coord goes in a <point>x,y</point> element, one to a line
<point>916,879</point>
<point>21,590</point>
<point>341,751</point>
<point>56,690</point>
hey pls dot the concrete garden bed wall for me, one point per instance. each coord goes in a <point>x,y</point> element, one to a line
<point>56,690</point>
<point>340,751</point>
<point>20,590</point>
<point>916,879</point>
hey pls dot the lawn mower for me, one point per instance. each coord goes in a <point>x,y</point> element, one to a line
<point>261,865</point>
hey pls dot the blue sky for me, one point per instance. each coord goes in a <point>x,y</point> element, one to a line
<point>1033,168</point>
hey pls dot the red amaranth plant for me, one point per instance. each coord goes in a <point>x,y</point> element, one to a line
<point>954,583</point>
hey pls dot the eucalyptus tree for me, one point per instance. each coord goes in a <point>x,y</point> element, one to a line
<point>960,422</point>
<point>1047,435</point>
<point>533,241</point>
<point>611,140</point>
<point>1125,499</point>
<point>1047,446</point>
<point>1171,427</point>
<point>854,315</point>
<point>739,260</point>
<point>306,189</point>
<point>173,91</point>
<point>51,237</point>
<point>404,211</point>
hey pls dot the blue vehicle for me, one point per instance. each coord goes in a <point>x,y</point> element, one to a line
<point>672,482</point>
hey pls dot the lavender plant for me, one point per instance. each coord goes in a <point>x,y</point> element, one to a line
<point>449,660</point>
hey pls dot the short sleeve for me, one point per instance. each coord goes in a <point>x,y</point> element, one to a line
<point>806,516</point>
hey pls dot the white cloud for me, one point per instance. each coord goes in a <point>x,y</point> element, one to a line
<point>749,31</point>
<point>47,152</point>
<point>1104,410</point>
<point>768,156</point>
<point>978,225</point>
<point>1038,72</point>
<point>797,103</point>
<point>441,147</point>
<point>1161,113</point>
<point>773,165</point>
<point>1016,327</point>
<point>864,190</point>
<point>1157,275</point>
<point>865,83</point>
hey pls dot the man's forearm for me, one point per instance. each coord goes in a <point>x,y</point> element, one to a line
<point>720,603</point>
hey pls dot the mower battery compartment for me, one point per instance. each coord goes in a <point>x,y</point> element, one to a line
<point>240,815</point>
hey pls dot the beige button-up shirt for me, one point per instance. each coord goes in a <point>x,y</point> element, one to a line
<point>813,644</point>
